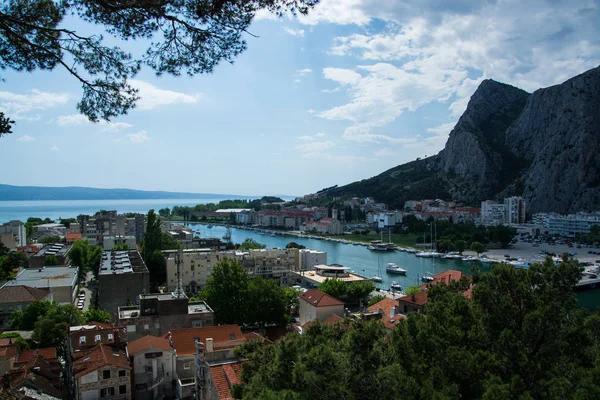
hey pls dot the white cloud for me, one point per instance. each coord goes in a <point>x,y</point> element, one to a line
<point>139,137</point>
<point>80,119</point>
<point>54,148</point>
<point>152,97</point>
<point>294,32</point>
<point>305,137</point>
<point>304,71</point>
<point>314,149</point>
<point>19,106</point>
<point>311,111</point>
<point>25,138</point>
<point>263,14</point>
<point>320,134</point>
<point>341,75</point>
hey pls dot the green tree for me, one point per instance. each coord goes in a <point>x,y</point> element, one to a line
<point>374,299</point>
<point>334,287</point>
<point>17,340</point>
<point>266,302</point>
<point>24,320</point>
<point>294,245</point>
<point>51,239</point>
<point>164,212</point>
<point>94,259</point>
<point>190,37</point>
<point>50,260</point>
<point>412,290</point>
<point>120,247</point>
<point>250,244</point>
<point>360,291</point>
<point>97,315</point>
<point>50,330</point>
<point>5,125</point>
<point>226,292</point>
<point>477,247</point>
<point>459,245</point>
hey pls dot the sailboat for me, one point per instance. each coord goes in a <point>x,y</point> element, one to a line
<point>378,245</point>
<point>377,278</point>
<point>227,235</point>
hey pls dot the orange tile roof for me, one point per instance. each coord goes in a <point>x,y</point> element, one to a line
<point>183,339</point>
<point>446,277</point>
<point>224,376</point>
<point>255,335</point>
<point>148,342</point>
<point>331,320</point>
<point>89,360</point>
<point>317,298</point>
<point>74,236</point>
<point>385,306</point>
<point>418,299</point>
<point>49,353</point>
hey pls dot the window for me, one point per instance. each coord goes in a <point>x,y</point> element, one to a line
<point>97,338</point>
<point>106,374</point>
<point>81,339</point>
<point>231,336</point>
<point>105,392</point>
<point>122,372</point>
<point>186,366</point>
<point>111,336</point>
<point>146,326</point>
<point>122,389</point>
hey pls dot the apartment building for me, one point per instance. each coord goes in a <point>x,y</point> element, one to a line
<point>196,265</point>
<point>310,258</point>
<point>153,361</point>
<point>13,234</point>
<point>492,213</point>
<point>58,250</point>
<point>514,210</point>
<point>573,224</point>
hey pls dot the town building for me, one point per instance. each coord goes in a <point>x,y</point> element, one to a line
<point>58,250</point>
<point>417,302</point>
<point>215,343</point>
<point>122,276</point>
<point>316,305</point>
<point>196,265</point>
<point>36,373</point>
<point>61,281</point>
<point>13,234</point>
<point>110,223</point>
<point>310,258</point>
<point>387,311</point>
<point>17,298</point>
<point>157,313</point>
<point>387,219</point>
<point>313,278</point>
<point>94,333</point>
<point>514,210</point>
<point>109,242</point>
<point>101,372</point>
<point>328,226</point>
<point>573,224</point>
<point>153,361</point>
<point>246,217</point>
<point>492,213</point>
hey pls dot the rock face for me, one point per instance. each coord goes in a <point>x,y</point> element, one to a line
<point>558,132</point>
<point>544,146</point>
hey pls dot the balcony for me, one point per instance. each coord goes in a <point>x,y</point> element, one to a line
<point>160,378</point>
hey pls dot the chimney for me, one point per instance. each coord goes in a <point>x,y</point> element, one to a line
<point>413,297</point>
<point>209,345</point>
<point>392,312</point>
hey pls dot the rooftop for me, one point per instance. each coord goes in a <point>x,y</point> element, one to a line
<point>224,377</point>
<point>319,299</point>
<point>45,277</point>
<point>86,361</point>
<point>92,326</point>
<point>19,294</point>
<point>122,262</point>
<point>57,249</point>
<point>318,279</point>
<point>385,307</point>
<point>224,337</point>
<point>148,342</point>
<point>331,321</point>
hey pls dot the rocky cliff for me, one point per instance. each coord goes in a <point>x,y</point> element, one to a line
<point>544,146</point>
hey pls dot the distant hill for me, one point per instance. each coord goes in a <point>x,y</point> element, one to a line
<point>544,146</point>
<point>9,192</point>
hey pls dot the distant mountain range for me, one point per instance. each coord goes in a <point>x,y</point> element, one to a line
<point>544,146</point>
<point>9,192</point>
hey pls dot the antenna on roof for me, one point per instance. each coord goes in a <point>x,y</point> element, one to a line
<point>178,293</point>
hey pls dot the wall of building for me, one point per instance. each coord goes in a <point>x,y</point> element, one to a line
<point>160,325</point>
<point>90,385</point>
<point>116,290</point>
<point>308,312</point>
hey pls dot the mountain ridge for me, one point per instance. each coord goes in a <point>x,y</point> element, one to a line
<point>543,145</point>
<point>24,193</point>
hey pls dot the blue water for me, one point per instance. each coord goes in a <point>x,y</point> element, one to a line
<point>54,209</point>
<point>358,258</point>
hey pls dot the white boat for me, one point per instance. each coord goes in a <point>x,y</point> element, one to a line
<point>411,251</point>
<point>392,268</point>
<point>396,285</point>
<point>376,278</point>
<point>427,278</point>
<point>470,258</point>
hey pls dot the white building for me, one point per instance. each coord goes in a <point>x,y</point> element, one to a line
<point>573,224</point>
<point>387,219</point>
<point>13,234</point>
<point>514,210</point>
<point>153,361</point>
<point>111,241</point>
<point>327,226</point>
<point>246,217</point>
<point>492,213</point>
<point>310,258</point>
<point>316,305</point>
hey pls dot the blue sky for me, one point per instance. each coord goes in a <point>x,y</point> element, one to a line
<point>355,88</point>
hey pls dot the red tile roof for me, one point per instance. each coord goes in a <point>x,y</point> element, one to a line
<point>86,361</point>
<point>224,376</point>
<point>317,298</point>
<point>446,277</point>
<point>19,294</point>
<point>49,353</point>
<point>148,342</point>
<point>385,306</point>
<point>224,337</point>
<point>419,299</point>
<point>331,320</point>
<point>74,236</point>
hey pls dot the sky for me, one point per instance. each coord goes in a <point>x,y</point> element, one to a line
<point>343,94</point>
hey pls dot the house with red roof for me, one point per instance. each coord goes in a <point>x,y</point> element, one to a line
<point>153,361</point>
<point>387,312</point>
<point>329,226</point>
<point>416,302</point>
<point>315,304</point>
<point>101,372</point>
<point>13,298</point>
<point>36,372</point>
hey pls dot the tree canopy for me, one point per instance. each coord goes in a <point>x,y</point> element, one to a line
<point>519,336</point>
<point>250,244</point>
<point>190,37</point>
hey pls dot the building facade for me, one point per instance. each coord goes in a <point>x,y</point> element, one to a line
<point>16,298</point>
<point>61,281</point>
<point>514,210</point>
<point>492,213</point>
<point>13,234</point>
<point>316,305</point>
<point>310,258</point>
<point>153,361</point>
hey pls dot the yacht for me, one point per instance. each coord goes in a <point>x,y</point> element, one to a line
<point>395,285</point>
<point>427,278</point>
<point>210,226</point>
<point>376,278</point>
<point>392,268</point>
<point>470,258</point>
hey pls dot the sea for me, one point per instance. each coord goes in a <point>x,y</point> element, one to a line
<point>358,258</point>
